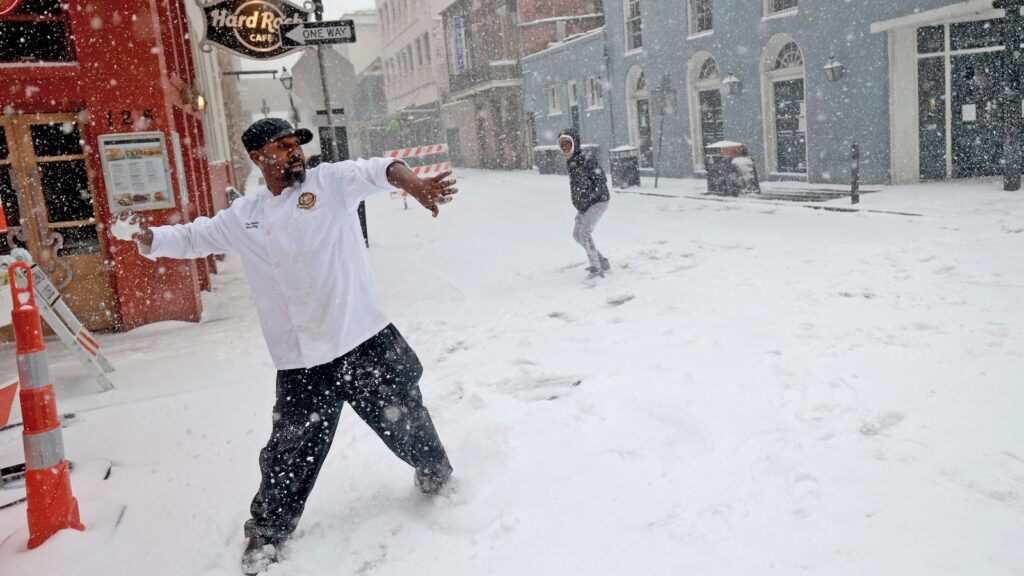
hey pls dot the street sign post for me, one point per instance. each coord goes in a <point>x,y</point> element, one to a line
<point>317,33</point>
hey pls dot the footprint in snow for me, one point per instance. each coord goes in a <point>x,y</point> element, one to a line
<point>540,388</point>
<point>616,301</point>
<point>880,423</point>
<point>805,491</point>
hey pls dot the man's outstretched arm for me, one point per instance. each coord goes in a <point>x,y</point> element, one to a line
<point>430,192</point>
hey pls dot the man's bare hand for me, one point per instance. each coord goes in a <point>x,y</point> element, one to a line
<point>430,192</point>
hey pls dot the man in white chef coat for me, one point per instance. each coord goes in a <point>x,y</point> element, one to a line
<point>302,248</point>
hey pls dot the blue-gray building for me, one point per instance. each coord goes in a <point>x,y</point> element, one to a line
<point>915,83</point>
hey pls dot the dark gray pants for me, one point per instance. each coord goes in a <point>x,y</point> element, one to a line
<point>380,380</point>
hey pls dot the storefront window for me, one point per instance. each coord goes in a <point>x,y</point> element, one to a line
<point>931,39</point>
<point>36,31</point>
<point>981,34</point>
<point>56,139</point>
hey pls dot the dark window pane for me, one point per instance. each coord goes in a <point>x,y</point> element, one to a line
<point>8,197</point>
<point>983,34</point>
<point>780,5</point>
<point>34,41</point>
<point>66,190</point>
<point>56,139</point>
<point>931,39</point>
<point>3,144</point>
<point>79,240</point>
<point>39,7</point>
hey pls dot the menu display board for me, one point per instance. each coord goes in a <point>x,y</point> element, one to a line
<point>137,172</point>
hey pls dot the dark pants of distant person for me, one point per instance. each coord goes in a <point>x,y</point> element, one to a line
<point>380,380</point>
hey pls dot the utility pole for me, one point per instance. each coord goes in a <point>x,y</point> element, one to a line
<point>1012,62</point>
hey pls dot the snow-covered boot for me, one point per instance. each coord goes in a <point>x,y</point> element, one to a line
<point>594,272</point>
<point>605,264</point>
<point>260,553</point>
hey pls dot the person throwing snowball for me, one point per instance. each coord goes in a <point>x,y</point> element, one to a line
<point>302,248</point>
<point>589,192</point>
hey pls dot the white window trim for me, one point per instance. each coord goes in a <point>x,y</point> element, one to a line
<point>768,79</point>
<point>554,101</point>
<point>692,22</point>
<point>696,86</point>
<point>767,13</point>
<point>625,27</point>
<point>598,102</point>
<point>571,89</point>
<point>631,97</point>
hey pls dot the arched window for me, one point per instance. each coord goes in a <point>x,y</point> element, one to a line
<point>784,106</point>
<point>789,57</point>
<point>705,97</point>
<point>640,115</point>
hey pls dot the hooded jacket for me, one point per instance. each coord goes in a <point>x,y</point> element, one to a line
<point>587,181</point>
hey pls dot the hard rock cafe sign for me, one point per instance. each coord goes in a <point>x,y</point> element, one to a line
<point>8,6</point>
<point>248,28</point>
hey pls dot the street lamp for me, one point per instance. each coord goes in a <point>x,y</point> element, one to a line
<point>834,69</point>
<point>287,81</point>
<point>732,84</point>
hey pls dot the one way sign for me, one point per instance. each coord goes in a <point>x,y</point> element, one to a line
<point>313,33</point>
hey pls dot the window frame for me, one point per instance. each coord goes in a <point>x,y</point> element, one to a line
<point>595,92</point>
<point>694,17</point>
<point>629,5</point>
<point>771,12</point>
<point>63,16</point>
<point>554,101</point>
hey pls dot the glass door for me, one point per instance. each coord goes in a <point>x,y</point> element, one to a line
<point>643,118</point>
<point>711,130</point>
<point>977,128</point>
<point>790,129</point>
<point>48,197</point>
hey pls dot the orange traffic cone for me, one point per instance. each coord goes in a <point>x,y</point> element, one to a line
<point>51,506</point>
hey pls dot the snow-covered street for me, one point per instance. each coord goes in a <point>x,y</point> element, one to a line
<point>755,388</point>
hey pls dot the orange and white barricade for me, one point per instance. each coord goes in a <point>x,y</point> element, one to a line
<point>51,506</point>
<point>420,152</point>
<point>416,151</point>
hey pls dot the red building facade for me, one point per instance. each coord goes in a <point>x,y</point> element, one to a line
<point>77,80</point>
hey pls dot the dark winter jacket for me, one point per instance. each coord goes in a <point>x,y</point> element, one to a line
<point>586,178</point>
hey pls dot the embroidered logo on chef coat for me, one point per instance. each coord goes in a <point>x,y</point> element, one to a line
<point>307,200</point>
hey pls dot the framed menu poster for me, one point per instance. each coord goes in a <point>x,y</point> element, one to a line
<point>137,172</point>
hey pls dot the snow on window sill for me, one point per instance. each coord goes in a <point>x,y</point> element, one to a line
<point>598,107</point>
<point>699,35</point>
<point>39,64</point>
<point>783,14</point>
<point>634,52</point>
<point>555,113</point>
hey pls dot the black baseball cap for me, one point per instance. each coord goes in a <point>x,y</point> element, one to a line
<point>269,129</point>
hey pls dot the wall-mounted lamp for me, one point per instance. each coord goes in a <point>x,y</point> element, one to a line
<point>834,69</point>
<point>194,98</point>
<point>732,84</point>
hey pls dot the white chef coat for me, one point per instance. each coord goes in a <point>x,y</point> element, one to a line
<point>308,268</point>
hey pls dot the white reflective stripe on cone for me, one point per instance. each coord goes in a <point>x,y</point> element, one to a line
<point>44,450</point>
<point>33,370</point>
